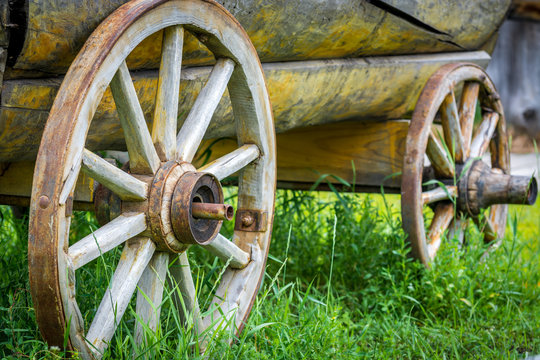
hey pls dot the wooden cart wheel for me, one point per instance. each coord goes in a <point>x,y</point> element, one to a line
<point>454,150</point>
<point>162,204</point>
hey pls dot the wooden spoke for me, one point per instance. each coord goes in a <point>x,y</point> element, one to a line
<point>438,157</point>
<point>136,255</point>
<point>193,129</point>
<point>457,229</point>
<point>232,162</point>
<point>444,213</point>
<point>166,111</point>
<point>106,238</point>
<point>484,134</point>
<point>226,250</point>
<point>142,154</point>
<point>150,295</point>
<point>121,183</point>
<point>181,276</point>
<point>467,111</point>
<point>439,194</point>
<point>451,126</point>
<point>489,225</point>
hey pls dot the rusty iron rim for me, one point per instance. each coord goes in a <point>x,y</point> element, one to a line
<point>51,277</point>
<point>438,86</point>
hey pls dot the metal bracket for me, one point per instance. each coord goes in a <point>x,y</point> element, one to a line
<point>251,220</point>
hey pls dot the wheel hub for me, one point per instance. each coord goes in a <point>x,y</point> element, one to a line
<point>184,207</point>
<point>481,186</point>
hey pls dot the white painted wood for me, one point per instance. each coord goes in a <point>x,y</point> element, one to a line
<point>484,134</point>
<point>106,238</point>
<point>439,194</point>
<point>226,250</point>
<point>135,257</point>
<point>166,111</point>
<point>142,154</point>
<point>467,111</point>
<point>183,281</point>
<point>232,162</point>
<point>121,183</point>
<point>192,131</point>
<point>451,126</point>
<point>150,288</point>
<point>230,300</point>
<point>438,157</point>
<point>444,213</point>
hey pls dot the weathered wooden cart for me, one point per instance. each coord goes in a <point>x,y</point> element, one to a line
<point>157,78</point>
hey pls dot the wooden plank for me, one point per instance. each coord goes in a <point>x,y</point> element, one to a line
<point>330,91</point>
<point>16,179</point>
<point>322,30</point>
<point>376,149</point>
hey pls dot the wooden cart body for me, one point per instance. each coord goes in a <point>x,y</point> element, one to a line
<point>325,62</point>
<point>343,78</point>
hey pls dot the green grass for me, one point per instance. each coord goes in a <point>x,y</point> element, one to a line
<point>339,284</point>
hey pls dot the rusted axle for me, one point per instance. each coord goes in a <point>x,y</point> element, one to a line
<point>483,187</point>
<point>212,211</point>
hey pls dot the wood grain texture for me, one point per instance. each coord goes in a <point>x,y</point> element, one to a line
<point>16,179</point>
<point>184,291</point>
<point>142,154</point>
<point>106,238</point>
<point>166,110</point>
<point>376,149</point>
<point>484,134</point>
<point>467,111</point>
<point>280,31</point>
<point>121,183</point>
<point>227,251</point>
<point>438,156</point>
<point>135,257</point>
<point>193,130</point>
<point>232,162</point>
<point>439,194</point>
<point>302,94</point>
<point>150,294</point>
<point>452,127</point>
<point>444,213</point>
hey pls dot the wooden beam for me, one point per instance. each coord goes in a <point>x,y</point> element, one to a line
<point>302,93</point>
<point>16,179</point>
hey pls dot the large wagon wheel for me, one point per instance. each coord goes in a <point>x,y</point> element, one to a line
<point>164,204</point>
<point>461,185</point>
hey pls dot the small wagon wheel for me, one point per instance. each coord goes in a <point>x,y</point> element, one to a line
<point>458,185</point>
<point>161,205</point>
